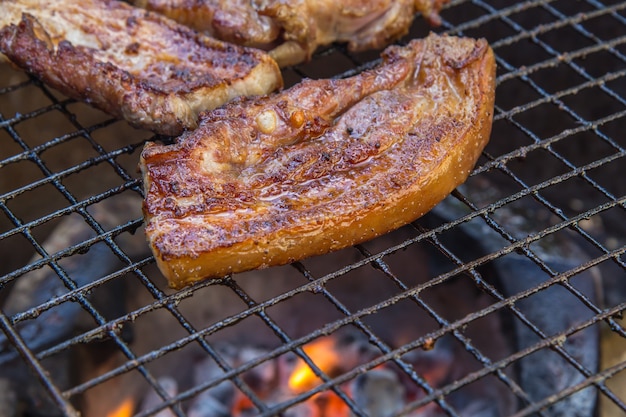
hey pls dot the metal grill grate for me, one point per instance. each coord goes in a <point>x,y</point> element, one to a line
<point>545,204</point>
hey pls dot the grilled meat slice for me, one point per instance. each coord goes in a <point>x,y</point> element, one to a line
<point>236,21</point>
<point>320,166</point>
<point>133,64</point>
<point>294,29</point>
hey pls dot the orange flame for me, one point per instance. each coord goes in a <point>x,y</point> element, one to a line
<point>125,409</point>
<point>241,404</point>
<point>332,405</point>
<point>323,354</point>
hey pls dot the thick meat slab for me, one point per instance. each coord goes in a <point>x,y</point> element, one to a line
<point>133,64</point>
<point>321,166</point>
<point>292,30</point>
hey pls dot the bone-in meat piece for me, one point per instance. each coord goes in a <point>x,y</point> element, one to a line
<point>320,166</point>
<point>292,30</point>
<point>133,64</point>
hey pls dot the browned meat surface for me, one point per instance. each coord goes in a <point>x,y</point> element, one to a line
<point>294,29</point>
<point>133,64</point>
<point>320,166</point>
<point>237,21</point>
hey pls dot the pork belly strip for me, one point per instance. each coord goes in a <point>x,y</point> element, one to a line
<point>292,30</point>
<point>323,165</point>
<point>132,64</point>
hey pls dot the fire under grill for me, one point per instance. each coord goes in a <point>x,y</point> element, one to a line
<point>505,300</point>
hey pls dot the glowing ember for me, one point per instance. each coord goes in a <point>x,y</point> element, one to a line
<point>379,392</point>
<point>125,409</point>
<point>241,405</point>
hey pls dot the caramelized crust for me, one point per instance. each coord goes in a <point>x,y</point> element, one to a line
<point>321,166</point>
<point>133,64</point>
<point>292,30</point>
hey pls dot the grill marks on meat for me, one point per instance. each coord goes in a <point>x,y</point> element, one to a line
<point>293,30</point>
<point>133,64</point>
<point>321,166</point>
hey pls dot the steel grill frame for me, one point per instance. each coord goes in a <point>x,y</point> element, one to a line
<point>110,329</point>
